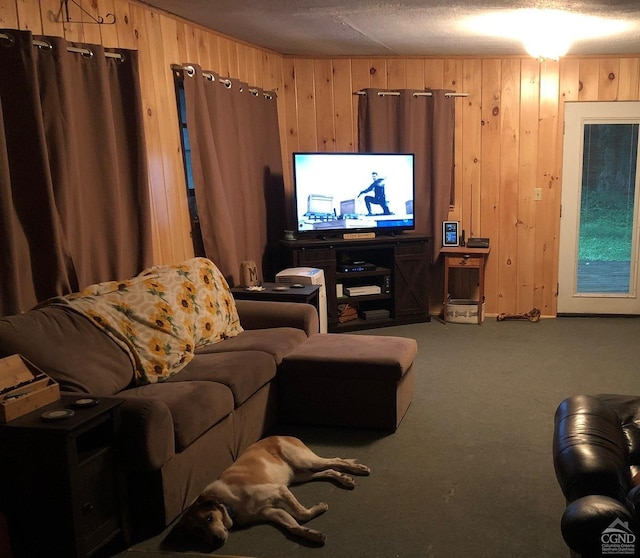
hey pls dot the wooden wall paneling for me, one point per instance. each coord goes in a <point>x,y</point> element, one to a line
<point>234,63</point>
<point>548,209</point>
<point>589,72</point>
<point>272,71</point>
<point>527,182</point>
<point>469,196</point>
<point>9,15</point>
<point>264,70</point>
<point>378,73</point>
<point>73,32</point>
<point>224,61</point>
<point>415,74</point>
<point>323,87</point>
<point>175,180</point>
<point>29,16</point>
<point>190,43</point>
<point>251,61</point>
<point>509,187</point>
<point>343,105</point>
<point>491,205</point>
<point>206,51</point>
<point>271,66</point>
<point>181,43</point>
<point>608,71</point>
<point>569,80</point>
<point>452,79</point>
<point>360,79</point>
<point>306,105</point>
<point>109,32</point>
<point>396,73</point>
<point>288,100</point>
<point>629,78</point>
<point>242,65</point>
<point>91,31</point>
<point>471,146</point>
<point>51,18</point>
<point>434,75</point>
<point>162,247</point>
<point>124,28</point>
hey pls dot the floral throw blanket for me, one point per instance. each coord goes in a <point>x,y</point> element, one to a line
<point>162,315</point>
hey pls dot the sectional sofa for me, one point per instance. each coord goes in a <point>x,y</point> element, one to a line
<point>196,371</point>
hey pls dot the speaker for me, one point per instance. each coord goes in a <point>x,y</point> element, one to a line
<point>249,274</point>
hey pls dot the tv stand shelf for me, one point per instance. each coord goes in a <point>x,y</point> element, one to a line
<point>401,271</point>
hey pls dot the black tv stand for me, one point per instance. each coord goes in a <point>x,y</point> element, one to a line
<point>401,271</point>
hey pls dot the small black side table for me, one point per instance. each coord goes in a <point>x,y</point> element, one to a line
<point>272,291</point>
<point>62,489</point>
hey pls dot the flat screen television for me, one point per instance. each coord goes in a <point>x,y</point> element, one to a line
<point>336,193</point>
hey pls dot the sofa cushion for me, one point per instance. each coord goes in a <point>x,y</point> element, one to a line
<point>69,348</point>
<point>194,407</point>
<point>278,342</point>
<point>243,372</point>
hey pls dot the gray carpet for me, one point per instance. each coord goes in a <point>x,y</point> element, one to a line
<point>469,472</point>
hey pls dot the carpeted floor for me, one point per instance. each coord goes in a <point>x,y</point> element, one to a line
<point>469,472</point>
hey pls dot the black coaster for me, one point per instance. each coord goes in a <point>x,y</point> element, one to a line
<point>58,414</point>
<point>85,402</point>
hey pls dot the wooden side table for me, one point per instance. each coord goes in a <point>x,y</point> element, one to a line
<point>62,488</point>
<point>462,257</point>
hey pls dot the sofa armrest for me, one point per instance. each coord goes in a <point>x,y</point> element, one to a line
<point>590,452</point>
<point>585,520</point>
<point>146,438</point>
<point>263,314</point>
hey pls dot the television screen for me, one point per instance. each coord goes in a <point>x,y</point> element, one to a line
<point>343,192</point>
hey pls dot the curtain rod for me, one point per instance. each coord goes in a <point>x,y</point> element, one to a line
<point>86,52</point>
<point>210,76</point>
<point>416,94</point>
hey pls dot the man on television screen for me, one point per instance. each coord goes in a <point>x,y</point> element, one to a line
<point>379,197</point>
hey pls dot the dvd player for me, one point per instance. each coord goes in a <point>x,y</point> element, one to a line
<point>351,268</point>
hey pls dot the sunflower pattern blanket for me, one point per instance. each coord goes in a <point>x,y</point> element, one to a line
<point>161,316</point>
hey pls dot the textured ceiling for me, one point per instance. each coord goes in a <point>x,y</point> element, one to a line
<point>392,28</point>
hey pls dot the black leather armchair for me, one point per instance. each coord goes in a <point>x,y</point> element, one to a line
<point>596,454</point>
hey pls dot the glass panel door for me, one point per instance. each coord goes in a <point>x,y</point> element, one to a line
<point>598,237</point>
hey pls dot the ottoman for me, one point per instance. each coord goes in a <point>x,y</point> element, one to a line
<point>335,379</point>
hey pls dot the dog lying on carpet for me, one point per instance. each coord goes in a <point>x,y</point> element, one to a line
<point>255,488</point>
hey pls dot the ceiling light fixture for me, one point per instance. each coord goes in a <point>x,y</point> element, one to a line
<point>545,34</point>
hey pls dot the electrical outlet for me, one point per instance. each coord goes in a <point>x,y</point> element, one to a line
<point>537,196</point>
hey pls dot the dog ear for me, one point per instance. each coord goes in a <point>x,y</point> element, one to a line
<point>203,502</point>
<point>226,518</point>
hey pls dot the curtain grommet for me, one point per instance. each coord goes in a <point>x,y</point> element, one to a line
<point>7,40</point>
<point>44,45</point>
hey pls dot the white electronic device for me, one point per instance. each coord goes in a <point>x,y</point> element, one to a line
<point>308,276</point>
<point>363,290</point>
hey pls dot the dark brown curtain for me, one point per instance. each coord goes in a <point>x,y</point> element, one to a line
<point>74,201</point>
<point>412,122</point>
<point>237,168</point>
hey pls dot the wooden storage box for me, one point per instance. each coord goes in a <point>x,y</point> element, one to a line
<point>24,388</point>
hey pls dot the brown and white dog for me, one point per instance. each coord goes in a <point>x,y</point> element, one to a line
<point>255,488</point>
